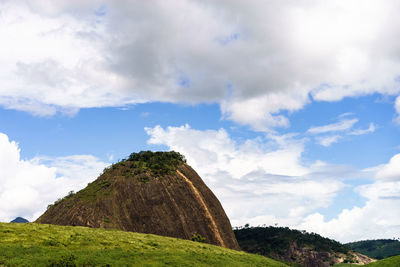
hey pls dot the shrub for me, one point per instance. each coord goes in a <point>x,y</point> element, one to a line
<point>143,179</point>
<point>199,238</point>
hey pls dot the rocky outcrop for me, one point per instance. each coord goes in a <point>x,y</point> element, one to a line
<point>310,258</point>
<point>142,195</point>
<point>298,248</point>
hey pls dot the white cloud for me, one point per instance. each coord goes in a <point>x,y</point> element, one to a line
<point>397,107</point>
<point>345,126</point>
<point>370,129</point>
<point>222,153</point>
<point>255,187</point>
<point>265,57</point>
<point>390,171</point>
<point>328,140</point>
<point>335,127</point>
<point>380,216</point>
<point>261,181</point>
<point>28,186</point>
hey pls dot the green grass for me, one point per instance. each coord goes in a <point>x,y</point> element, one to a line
<point>50,245</point>
<point>345,265</point>
<point>389,262</point>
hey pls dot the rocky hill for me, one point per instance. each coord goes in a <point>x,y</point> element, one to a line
<point>150,192</point>
<point>298,248</point>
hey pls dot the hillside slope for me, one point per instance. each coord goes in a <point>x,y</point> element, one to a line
<point>377,249</point>
<point>296,247</point>
<point>150,192</point>
<point>52,245</point>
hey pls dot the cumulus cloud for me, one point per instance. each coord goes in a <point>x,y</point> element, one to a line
<point>259,181</point>
<point>263,181</point>
<point>28,186</point>
<point>390,171</point>
<point>378,218</point>
<point>266,57</point>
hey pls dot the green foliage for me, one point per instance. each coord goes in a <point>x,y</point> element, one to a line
<point>158,163</point>
<point>272,241</point>
<point>143,179</point>
<point>51,245</point>
<point>199,238</point>
<point>377,249</point>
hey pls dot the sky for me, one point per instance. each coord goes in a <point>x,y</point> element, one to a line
<point>288,110</point>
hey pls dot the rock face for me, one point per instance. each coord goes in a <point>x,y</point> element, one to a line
<point>311,258</point>
<point>151,192</point>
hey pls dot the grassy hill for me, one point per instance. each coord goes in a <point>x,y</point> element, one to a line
<point>377,249</point>
<point>389,262</point>
<point>50,245</point>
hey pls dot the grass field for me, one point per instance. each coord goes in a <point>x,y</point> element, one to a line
<point>346,265</point>
<point>50,245</point>
<point>389,262</point>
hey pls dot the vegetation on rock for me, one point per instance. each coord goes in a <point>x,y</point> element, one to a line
<point>277,240</point>
<point>158,163</point>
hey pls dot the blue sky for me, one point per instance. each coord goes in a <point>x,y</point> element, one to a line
<point>289,111</point>
<point>119,131</point>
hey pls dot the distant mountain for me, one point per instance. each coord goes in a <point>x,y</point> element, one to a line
<point>377,249</point>
<point>20,220</point>
<point>296,247</point>
<point>150,192</point>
